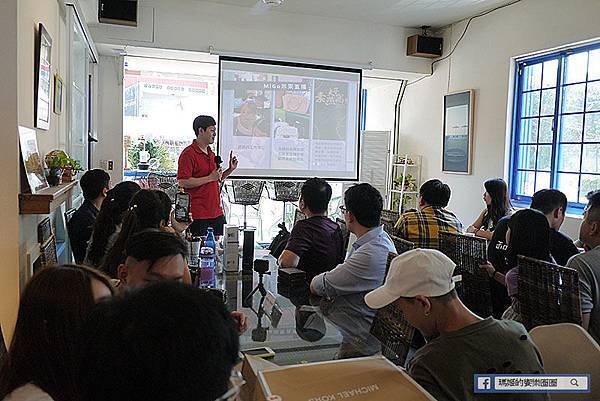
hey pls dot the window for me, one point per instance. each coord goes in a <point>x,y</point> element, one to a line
<point>556,141</point>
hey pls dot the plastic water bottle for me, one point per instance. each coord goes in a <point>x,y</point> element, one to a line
<point>210,240</point>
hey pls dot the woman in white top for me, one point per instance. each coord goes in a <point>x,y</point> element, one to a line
<point>40,363</point>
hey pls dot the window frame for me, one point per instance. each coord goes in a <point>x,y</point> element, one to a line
<point>519,78</point>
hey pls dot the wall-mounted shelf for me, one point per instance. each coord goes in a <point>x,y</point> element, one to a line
<point>397,191</point>
<point>47,200</point>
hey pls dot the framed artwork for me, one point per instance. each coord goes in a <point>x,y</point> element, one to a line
<point>58,90</point>
<point>43,79</point>
<point>457,147</point>
<point>32,161</point>
<point>44,230</point>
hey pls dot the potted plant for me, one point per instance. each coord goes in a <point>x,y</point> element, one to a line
<point>54,171</point>
<point>61,167</point>
<point>71,168</point>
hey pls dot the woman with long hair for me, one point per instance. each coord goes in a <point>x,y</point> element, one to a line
<point>108,222</point>
<point>528,235</point>
<point>497,201</point>
<point>148,209</point>
<point>41,362</point>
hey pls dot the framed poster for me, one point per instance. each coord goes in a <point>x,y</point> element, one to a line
<point>43,79</point>
<point>32,161</point>
<point>457,144</point>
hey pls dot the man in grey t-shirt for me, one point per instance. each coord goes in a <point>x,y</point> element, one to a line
<point>588,266</point>
<point>460,343</point>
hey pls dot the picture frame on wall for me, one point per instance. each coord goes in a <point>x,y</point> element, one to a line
<point>58,90</point>
<point>32,161</point>
<point>43,74</point>
<point>457,146</point>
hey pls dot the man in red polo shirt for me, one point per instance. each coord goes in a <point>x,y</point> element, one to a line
<point>199,174</point>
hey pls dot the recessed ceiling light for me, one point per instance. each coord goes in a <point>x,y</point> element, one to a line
<point>273,2</point>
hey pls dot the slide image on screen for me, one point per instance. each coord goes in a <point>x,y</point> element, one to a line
<point>288,120</point>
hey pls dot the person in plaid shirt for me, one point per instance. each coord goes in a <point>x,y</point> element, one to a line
<point>423,226</point>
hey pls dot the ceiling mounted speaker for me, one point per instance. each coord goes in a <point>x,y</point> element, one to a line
<point>424,46</point>
<point>120,12</point>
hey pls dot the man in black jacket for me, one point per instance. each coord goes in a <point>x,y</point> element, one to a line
<point>94,185</point>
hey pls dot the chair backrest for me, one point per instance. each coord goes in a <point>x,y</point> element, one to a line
<point>164,182</point>
<point>468,253</point>
<point>69,214</point>
<point>582,358</point>
<point>345,233</point>
<point>389,219</point>
<point>394,332</point>
<point>247,192</point>
<point>402,245</point>
<point>287,191</point>
<point>548,293</point>
<point>298,215</point>
<point>3,350</point>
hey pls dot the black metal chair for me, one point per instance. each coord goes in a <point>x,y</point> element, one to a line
<point>298,215</point>
<point>389,219</point>
<point>247,193</point>
<point>402,245</point>
<point>396,334</point>
<point>345,233</point>
<point>68,215</point>
<point>286,191</point>
<point>548,293</point>
<point>468,253</point>
<point>164,182</point>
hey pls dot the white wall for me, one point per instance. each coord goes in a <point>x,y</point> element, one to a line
<point>9,212</point>
<point>196,25</point>
<point>482,62</point>
<point>110,115</point>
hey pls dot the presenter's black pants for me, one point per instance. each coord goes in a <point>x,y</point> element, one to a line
<point>198,227</point>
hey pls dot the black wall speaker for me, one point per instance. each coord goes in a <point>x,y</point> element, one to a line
<point>120,12</point>
<point>424,46</point>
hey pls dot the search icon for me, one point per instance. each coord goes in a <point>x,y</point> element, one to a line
<point>574,382</point>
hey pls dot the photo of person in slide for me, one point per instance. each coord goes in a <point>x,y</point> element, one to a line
<point>249,122</point>
<point>331,110</point>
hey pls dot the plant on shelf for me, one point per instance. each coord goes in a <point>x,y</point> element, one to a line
<point>61,168</point>
<point>406,200</point>
<point>410,184</point>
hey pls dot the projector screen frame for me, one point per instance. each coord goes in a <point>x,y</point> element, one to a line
<point>299,65</point>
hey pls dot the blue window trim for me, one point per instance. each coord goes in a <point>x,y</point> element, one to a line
<point>523,200</point>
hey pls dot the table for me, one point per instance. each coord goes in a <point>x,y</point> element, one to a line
<point>311,329</point>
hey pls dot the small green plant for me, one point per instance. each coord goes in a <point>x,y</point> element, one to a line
<point>410,184</point>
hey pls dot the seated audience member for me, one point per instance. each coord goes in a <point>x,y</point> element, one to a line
<point>165,342</point>
<point>496,253</point>
<point>315,244</point>
<point>497,201</point>
<point>460,343</point>
<point>153,255</point>
<point>528,235</point>
<point>41,360</point>
<point>148,209</point>
<point>553,204</point>
<point>365,267</point>
<point>108,222</point>
<point>423,226</point>
<point>588,266</point>
<point>94,185</point>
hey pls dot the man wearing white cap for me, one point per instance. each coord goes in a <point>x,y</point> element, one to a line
<point>460,343</point>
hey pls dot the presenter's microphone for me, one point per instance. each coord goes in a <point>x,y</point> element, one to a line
<point>218,161</point>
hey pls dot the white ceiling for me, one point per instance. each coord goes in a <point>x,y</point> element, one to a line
<point>406,13</point>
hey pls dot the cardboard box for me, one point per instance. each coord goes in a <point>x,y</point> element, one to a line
<point>358,379</point>
<point>231,234</point>
<point>231,262</point>
<point>252,365</point>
